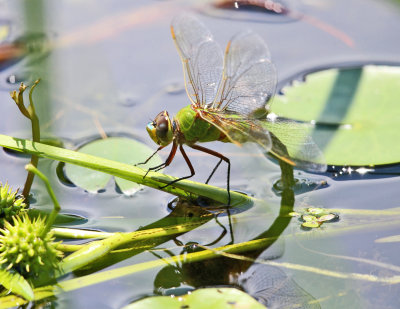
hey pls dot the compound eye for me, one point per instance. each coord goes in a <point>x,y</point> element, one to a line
<point>162,127</point>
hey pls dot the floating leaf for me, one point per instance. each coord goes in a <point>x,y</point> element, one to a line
<point>119,149</point>
<point>220,298</point>
<point>355,109</point>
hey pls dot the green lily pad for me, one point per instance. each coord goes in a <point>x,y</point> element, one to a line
<point>356,111</point>
<point>219,298</point>
<point>119,149</point>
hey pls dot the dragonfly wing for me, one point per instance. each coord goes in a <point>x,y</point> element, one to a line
<point>289,141</point>
<point>249,76</point>
<point>237,129</point>
<point>201,58</point>
<point>299,146</point>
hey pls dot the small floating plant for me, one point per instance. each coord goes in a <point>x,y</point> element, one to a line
<point>314,217</point>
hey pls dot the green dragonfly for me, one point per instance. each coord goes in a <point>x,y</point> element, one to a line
<point>229,96</point>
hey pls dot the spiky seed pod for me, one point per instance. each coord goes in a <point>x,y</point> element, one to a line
<point>10,204</point>
<point>24,249</point>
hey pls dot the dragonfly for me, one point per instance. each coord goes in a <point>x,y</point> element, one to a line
<point>228,102</point>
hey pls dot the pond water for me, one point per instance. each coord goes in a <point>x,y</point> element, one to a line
<point>107,68</point>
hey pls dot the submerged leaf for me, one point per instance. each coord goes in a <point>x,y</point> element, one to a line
<point>355,110</point>
<point>119,149</point>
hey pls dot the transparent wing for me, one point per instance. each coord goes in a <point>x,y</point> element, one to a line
<point>249,77</point>
<point>299,146</point>
<point>238,129</point>
<point>289,140</point>
<point>201,58</point>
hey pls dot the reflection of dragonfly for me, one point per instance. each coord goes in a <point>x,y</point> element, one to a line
<point>228,96</point>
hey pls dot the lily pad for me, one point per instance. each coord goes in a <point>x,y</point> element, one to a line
<point>119,149</point>
<point>219,298</point>
<point>356,112</point>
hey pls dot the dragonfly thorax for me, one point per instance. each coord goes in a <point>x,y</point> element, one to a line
<point>161,129</point>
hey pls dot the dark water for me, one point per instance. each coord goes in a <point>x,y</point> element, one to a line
<point>110,67</point>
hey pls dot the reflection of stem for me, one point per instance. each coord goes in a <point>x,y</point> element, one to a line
<point>287,203</point>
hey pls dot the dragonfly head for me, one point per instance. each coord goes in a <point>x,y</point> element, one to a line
<point>160,129</point>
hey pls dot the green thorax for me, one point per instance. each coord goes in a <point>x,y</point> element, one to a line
<point>194,128</point>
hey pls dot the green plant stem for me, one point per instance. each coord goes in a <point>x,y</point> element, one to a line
<point>31,115</point>
<point>35,137</point>
<point>61,232</point>
<point>69,248</point>
<point>184,188</point>
<point>56,209</point>
<point>97,249</point>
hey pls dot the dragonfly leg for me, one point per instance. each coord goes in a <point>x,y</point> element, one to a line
<point>148,159</point>
<point>192,172</point>
<point>213,171</point>
<point>222,157</point>
<point>166,163</point>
